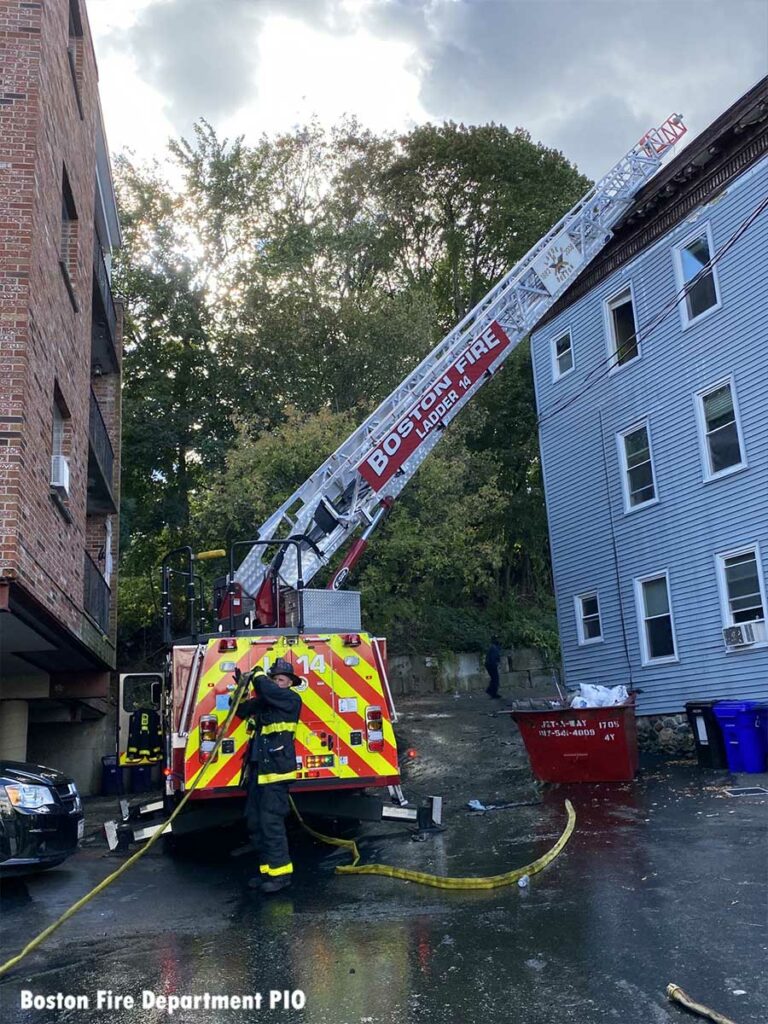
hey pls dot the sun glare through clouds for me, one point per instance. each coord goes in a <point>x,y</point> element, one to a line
<point>301,73</point>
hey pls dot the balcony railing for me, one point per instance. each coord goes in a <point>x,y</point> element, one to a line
<point>104,316</point>
<point>101,462</point>
<point>96,595</point>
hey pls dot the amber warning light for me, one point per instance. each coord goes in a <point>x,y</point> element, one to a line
<point>207,728</point>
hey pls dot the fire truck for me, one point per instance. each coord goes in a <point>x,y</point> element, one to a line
<point>264,605</point>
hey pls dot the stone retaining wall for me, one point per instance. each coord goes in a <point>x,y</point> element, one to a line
<point>665,734</point>
<point>522,672</point>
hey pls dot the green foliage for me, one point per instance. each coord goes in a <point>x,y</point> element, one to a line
<point>274,298</point>
<point>262,469</point>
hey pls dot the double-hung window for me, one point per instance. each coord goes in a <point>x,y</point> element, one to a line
<point>562,355</point>
<point>61,438</point>
<point>696,276</point>
<point>589,628</point>
<point>75,51</point>
<point>720,434</point>
<point>654,610</point>
<point>637,474</point>
<point>68,238</point>
<point>741,586</point>
<point>622,328</point>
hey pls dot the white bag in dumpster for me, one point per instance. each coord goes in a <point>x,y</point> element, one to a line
<point>593,696</point>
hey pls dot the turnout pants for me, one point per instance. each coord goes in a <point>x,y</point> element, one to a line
<point>266,808</point>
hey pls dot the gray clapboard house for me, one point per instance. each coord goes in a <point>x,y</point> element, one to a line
<point>651,378</point>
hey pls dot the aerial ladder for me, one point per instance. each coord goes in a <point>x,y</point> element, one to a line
<point>356,486</point>
<point>347,755</point>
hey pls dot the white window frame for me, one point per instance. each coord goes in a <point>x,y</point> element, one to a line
<point>685,320</point>
<point>701,425</point>
<point>722,585</point>
<point>628,508</point>
<point>585,641</point>
<point>645,655</point>
<point>608,305</point>
<point>556,374</point>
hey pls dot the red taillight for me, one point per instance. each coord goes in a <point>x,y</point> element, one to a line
<point>351,640</point>
<point>374,728</point>
<point>207,728</point>
<point>228,643</point>
<point>411,752</point>
<point>177,765</point>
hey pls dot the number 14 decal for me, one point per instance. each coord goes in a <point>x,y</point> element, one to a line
<point>317,664</point>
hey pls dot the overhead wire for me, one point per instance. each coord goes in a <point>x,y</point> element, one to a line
<point>642,333</point>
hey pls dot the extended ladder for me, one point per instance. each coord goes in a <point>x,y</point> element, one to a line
<point>355,486</point>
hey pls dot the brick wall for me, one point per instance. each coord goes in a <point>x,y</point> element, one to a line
<point>45,302</point>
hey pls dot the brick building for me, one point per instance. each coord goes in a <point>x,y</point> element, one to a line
<point>60,347</point>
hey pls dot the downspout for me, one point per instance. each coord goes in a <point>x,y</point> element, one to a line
<point>615,547</point>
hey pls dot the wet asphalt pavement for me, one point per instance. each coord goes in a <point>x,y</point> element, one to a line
<point>664,880</point>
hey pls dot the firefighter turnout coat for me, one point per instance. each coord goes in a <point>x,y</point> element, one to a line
<point>275,712</point>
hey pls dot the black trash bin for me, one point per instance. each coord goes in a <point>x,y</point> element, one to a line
<point>710,748</point>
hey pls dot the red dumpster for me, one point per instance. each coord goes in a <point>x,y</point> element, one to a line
<point>581,744</point>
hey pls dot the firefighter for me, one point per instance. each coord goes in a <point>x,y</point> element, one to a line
<point>275,710</point>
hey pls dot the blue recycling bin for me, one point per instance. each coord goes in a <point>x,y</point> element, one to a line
<point>744,732</point>
<point>111,776</point>
<point>141,778</point>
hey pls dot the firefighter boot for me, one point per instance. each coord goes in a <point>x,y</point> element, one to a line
<point>273,885</point>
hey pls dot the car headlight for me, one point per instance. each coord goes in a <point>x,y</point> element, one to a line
<point>29,798</point>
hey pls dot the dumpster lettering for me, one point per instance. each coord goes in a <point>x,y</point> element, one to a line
<point>566,732</point>
<point>578,727</point>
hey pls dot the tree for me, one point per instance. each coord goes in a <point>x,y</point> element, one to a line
<point>282,291</point>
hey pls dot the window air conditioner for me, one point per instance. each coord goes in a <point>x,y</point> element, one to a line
<point>60,475</point>
<point>745,634</point>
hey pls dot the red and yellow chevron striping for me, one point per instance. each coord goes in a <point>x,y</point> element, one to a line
<point>340,680</point>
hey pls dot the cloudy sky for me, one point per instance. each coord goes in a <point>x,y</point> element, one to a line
<point>586,76</point>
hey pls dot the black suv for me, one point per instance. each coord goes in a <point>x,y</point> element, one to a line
<point>41,818</point>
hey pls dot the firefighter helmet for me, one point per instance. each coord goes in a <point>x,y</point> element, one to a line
<point>281,667</point>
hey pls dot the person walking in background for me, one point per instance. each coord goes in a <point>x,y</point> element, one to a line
<point>492,659</point>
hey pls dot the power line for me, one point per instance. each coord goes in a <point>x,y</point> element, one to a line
<point>647,329</point>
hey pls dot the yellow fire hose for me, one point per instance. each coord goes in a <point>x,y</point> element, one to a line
<point>489,882</point>
<point>676,995</point>
<point>441,881</point>
<point>39,939</point>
